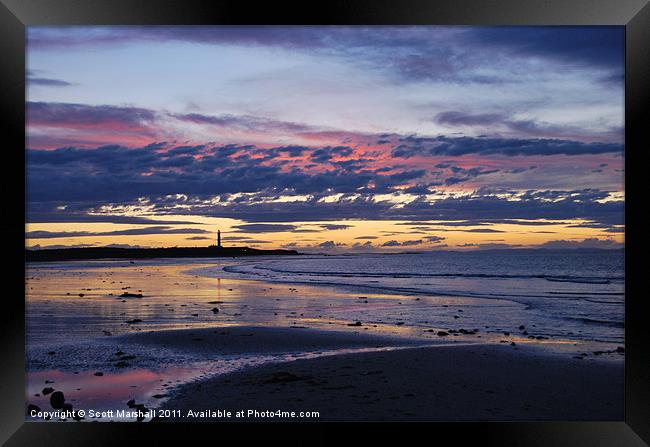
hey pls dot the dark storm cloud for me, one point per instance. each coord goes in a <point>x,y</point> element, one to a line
<point>80,180</point>
<point>420,189</point>
<point>116,173</point>
<point>532,205</point>
<point>600,46</point>
<point>48,212</point>
<point>449,54</point>
<point>462,175</point>
<point>599,226</point>
<point>187,150</point>
<point>449,226</point>
<point>457,146</point>
<point>327,153</point>
<point>40,234</point>
<point>610,213</point>
<point>460,211</point>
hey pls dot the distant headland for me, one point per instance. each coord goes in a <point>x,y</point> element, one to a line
<point>214,251</point>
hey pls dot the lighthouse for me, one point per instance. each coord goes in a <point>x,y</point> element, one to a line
<point>218,238</point>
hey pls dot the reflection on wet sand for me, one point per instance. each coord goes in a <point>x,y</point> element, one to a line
<point>84,319</point>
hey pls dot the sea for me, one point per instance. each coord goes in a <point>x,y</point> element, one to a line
<point>574,293</point>
<point>76,316</point>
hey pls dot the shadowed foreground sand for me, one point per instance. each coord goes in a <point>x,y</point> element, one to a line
<point>479,382</point>
<point>266,340</point>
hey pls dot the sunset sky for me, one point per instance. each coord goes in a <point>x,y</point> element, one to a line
<point>326,139</point>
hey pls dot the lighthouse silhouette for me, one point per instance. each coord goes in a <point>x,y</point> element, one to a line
<point>218,238</point>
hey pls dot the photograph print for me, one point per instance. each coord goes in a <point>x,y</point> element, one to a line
<point>324,223</point>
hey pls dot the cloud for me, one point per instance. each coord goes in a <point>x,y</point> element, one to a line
<point>53,124</point>
<point>117,173</point>
<point>586,243</point>
<point>229,180</point>
<point>264,228</point>
<point>335,226</point>
<point>330,245</point>
<point>492,246</point>
<point>283,36</point>
<point>123,246</point>
<point>91,162</point>
<point>58,246</point>
<point>394,243</point>
<point>527,208</point>
<point>483,230</point>
<point>246,123</point>
<point>50,212</point>
<point>504,123</point>
<point>418,54</point>
<point>81,115</point>
<point>462,175</point>
<point>41,234</point>
<point>327,153</point>
<point>457,146</point>
<point>47,82</point>
<point>363,246</point>
<point>600,46</point>
<point>456,118</point>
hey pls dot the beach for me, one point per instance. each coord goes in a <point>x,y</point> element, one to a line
<point>442,383</point>
<point>333,223</point>
<point>190,335</point>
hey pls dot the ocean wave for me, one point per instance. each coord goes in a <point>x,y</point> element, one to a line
<point>556,278</point>
<point>520,298</point>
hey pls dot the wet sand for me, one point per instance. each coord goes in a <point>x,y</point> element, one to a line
<point>264,340</point>
<point>464,382</point>
<point>279,346</point>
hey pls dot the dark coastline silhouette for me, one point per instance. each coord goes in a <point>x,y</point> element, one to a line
<point>69,254</point>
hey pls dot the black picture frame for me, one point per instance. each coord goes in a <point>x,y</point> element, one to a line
<point>15,15</point>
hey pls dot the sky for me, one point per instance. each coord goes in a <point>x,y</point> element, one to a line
<point>326,139</point>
